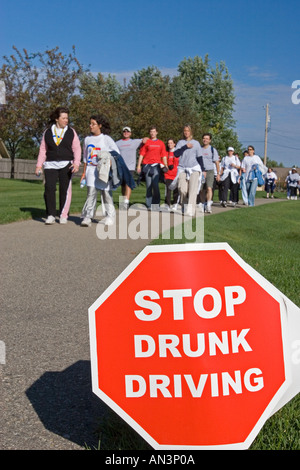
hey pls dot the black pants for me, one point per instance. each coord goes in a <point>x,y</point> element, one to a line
<point>234,187</point>
<point>169,193</point>
<point>63,176</point>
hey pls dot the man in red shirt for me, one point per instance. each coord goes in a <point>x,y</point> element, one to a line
<point>152,155</point>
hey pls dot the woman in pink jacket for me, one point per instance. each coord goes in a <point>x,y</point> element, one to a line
<point>59,156</point>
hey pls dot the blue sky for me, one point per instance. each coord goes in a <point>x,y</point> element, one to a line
<point>258,41</point>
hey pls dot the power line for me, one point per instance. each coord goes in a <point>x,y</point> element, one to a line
<point>284,146</point>
<point>272,143</point>
<point>281,135</point>
<point>283,130</point>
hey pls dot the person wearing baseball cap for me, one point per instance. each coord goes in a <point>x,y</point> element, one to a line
<point>229,177</point>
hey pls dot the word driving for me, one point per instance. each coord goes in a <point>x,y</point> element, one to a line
<point>189,347</point>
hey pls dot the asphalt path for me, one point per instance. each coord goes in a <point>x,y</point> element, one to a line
<point>50,275</point>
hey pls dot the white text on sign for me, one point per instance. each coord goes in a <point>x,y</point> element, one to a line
<point>211,344</point>
<point>178,304</point>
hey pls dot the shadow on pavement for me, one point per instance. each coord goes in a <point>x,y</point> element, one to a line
<point>40,215</point>
<point>66,405</point>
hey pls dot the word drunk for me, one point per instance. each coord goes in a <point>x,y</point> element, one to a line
<point>191,346</point>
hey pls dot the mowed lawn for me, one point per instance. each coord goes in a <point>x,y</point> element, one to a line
<point>267,237</point>
<point>22,200</point>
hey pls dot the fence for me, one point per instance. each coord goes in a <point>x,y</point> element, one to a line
<point>24,169</point>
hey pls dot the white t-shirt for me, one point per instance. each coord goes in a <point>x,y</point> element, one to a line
<point>226,164</point>
<point>249,161</point>
<point>92,143</point>
<point>271,176</point>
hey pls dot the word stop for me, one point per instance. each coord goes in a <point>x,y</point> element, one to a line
<point>234,295</point>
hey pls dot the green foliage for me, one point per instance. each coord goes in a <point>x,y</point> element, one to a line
<point>37,83</point>
<point>209,93</point>
<point>273,164</point>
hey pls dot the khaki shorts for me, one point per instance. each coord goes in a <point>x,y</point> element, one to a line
<point>209,180</point>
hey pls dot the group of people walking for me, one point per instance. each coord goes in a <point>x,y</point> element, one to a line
<point>190,170</point>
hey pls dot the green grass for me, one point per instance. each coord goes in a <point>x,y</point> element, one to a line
<point>267,237</point>
<point>22,200</point>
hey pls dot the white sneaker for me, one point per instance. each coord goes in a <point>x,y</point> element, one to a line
<point>86,222</point>
<point>124,205</point>
<point>63,220</point>
<point>50,220</point>
<point>189,213</point>
<point>200,207</point>
<point>208,208</point>
<point>107,221</point>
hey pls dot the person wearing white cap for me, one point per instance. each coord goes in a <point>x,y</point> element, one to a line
<point>128,149</point>
<point>229,177</point>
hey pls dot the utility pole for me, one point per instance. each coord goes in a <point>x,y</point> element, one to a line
<point>266,133</point>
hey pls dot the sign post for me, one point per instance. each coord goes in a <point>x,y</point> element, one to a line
<point>191,347</point>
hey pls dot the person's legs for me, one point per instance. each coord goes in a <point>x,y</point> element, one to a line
<point>252,185</point>
<point>182,188</point>
<point>65,191</point>
<point>209,184</point>
<point>108,203</point>
<point>243,185</point>
<point>148,179</point>
<point>168,192</point>
<point>193,191</point>
<point>89,207</point>
<point>155,186</point>
<point>235,192</point>
<point>224,189</point>
<point>51,177</point>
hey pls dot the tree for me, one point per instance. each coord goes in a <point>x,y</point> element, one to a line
<point>209,94</point>
<point>149,101</point>
<point>274,164</point>
<point>35,84</point>
<point>96,95</point>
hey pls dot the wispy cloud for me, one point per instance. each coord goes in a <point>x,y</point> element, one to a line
<point>128,74</point>
<point>262,74</point>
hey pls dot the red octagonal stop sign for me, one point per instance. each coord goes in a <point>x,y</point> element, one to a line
<point>187,346</point>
